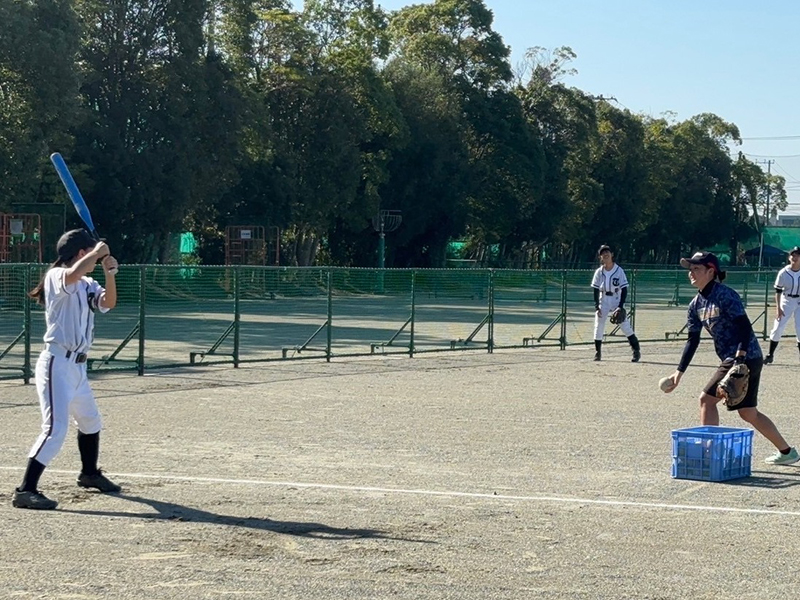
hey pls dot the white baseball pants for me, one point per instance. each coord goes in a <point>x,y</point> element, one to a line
<point>607,306</point>
<point>64,392</point>
<point>790,307</point>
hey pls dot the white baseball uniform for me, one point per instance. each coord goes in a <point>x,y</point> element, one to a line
<point>610,283</point>
<point>61,380</point>
<point>788,282</point>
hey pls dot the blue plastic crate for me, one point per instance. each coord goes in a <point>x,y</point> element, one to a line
<point>712,453</point>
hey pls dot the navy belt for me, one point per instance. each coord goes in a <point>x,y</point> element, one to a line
<point>609,293</point>
<point>80,357</point>
<point>77,357</point>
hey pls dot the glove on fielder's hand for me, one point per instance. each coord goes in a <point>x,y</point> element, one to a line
<point>733,387</point>
<point>618,315</point>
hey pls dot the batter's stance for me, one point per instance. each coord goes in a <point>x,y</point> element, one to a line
<point>70,299</point>
<point>787,299</point>
<point>610,291</point>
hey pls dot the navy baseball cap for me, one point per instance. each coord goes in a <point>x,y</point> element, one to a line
<point>73,242</point>
<point>795,250</point>
<point>707,259</point>
<point>604,248</point>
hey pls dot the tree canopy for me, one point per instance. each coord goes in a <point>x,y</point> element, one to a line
<point>180,115</point>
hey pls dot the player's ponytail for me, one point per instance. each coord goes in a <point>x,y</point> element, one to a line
<point>68,247</point>
<point>37,293</point>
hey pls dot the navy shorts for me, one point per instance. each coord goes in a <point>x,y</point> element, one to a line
<point>751,399</point>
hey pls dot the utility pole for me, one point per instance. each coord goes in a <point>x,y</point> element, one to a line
<point>769,184</point>
<point>766,212</point>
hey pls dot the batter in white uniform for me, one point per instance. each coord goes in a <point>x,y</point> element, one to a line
<point>787,299</point>
<point>71,299</point>
<point>610,291</point>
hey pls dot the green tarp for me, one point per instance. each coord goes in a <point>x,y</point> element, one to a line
<point>188,243</point>
<point>784,238</point>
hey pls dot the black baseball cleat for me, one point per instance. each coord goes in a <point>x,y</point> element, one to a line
<point>597,356</point>
<point>636,356</point>
<point>98,481</point>
<point>34,500</point>
<point>768,359</point>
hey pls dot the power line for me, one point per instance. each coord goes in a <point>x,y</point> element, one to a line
<point>774,137</point>
<point>788,175</point>
<point>771,155</point>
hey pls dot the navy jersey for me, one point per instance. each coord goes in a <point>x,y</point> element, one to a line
<point>716,314</point>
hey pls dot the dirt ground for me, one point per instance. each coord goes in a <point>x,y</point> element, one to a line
<point>520,474</point>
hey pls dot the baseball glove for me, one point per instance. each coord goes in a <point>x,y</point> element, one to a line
<point>733,387</point>
<point>618,315</point>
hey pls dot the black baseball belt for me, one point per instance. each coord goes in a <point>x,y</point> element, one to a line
<point>78,357</point>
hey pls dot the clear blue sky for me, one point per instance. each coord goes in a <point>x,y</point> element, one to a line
<point>738,59</point>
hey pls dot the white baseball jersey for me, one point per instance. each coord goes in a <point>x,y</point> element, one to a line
<point>61,382</point>
<point>69,310</point>
<point>610,283</point>
<point>788,281</point>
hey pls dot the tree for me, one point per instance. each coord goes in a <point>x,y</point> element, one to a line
<point>429,176</point>
<point>565,120</point>
<point>454,38</point>
<point>619,167</point>
<point>452,44</point>
<point>692,179</point>
<point>161,117</point>
<point>39,42</point>
<point>507,175</point>
<point>351,39</point>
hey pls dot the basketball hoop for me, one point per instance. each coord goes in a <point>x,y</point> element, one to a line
<point>387,220</point>
<point>384,221</point>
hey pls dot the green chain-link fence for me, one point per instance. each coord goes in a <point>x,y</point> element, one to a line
<point>170,316</point>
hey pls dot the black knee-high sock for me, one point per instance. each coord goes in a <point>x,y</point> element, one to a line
<point>772,346</point>
<point>30,481</point>
<point>598,344</point>
<point>634,342</point>
<point>89,446</point>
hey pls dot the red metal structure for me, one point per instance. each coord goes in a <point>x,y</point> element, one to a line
<point>245,245</point>
<point>20,238</point>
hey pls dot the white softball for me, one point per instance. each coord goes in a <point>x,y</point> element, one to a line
<point>665,383</point>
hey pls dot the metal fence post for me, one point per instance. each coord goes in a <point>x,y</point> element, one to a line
<point>236,316</point>
<point>142,312</point>
<point>564,310</point>
<point>490,338</point>
<point>677,297</point>
<point>633,300</point>
<point>766,307</point>
<point>26,325</point>
<point>413,306</point>
<point>330,315</point>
